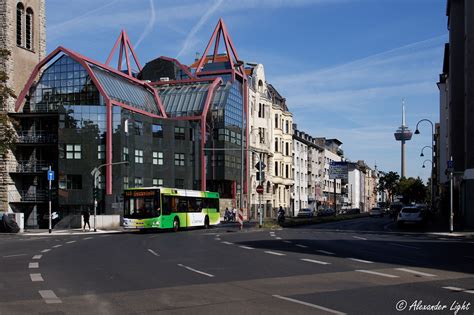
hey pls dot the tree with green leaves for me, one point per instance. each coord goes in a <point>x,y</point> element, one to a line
<point>7,132</point>
<point>388,182</point>
<point>412,189</point>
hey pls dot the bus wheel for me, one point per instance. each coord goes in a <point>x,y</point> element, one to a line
<point>206,222</point>
<point>176,224</point>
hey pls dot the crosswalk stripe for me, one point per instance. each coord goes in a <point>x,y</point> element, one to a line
<point>315,261</point>
<point>415,272</point>
<point>387,275</point>
<point>274,253</point>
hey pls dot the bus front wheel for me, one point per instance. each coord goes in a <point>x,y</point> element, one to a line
<point>206,222</point>
<point>176,225</point>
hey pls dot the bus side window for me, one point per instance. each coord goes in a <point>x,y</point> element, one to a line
<point>166,202</point>
<point>182,204</point>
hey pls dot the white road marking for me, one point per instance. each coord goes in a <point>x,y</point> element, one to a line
<point>288,242</point>
<point>302,246</point>
<point>278,238</point>
<point>36,277</point>
<point>469,291</point>
<point>153,252</point>
<point>88,238</point>
<point>361,260</point>
<point>406,246</point>
<point>325,252</point>
<point>246,247</point>
<point>274,253</point>
<point>37,256</point>
<point>315,261</point>
<point>360,238</point>
<point>322,308</point>
<point>17,255</point>
<point>415,272</point>
<point>56,246</point>
<point>197,271</point>
<point>228,243</point>
<point>49,297</point>
<point>454,289</point>
<point>70,242</point>
<point>33,265</point>
<point>378,273</point>
<point>218,239</point>
<point>45,250</point>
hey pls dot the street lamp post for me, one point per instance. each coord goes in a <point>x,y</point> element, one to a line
<point>417,132</point>
<point>426,146</point>
<point>95,176</point>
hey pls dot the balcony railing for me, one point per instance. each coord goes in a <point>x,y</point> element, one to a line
<point>29,167</point>
<point>38,195</point>
<point>36,137</point>
<point>41,108</point>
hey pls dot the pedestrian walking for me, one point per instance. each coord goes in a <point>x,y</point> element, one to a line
<point>86,215</point>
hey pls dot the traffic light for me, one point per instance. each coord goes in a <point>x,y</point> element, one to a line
<point>95,193</point>
<point>262,174</point>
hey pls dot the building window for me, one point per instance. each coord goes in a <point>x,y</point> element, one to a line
<point>276,120</point>
<point>179,183</point>
<point>179,133</point>
<point>138,182</point>
<point>157,131</point>
<point>29,29</point>
<point>125,155</point>
<point>70,182</point>
<point>101,152</point>
<point>73,152</point>
<point>20,12</point>
<point>276,168</point>
<point>287,149</point>
<point>157,182</point>
<point>179,159</point>
<point>158,158</point>
<point>276,144</point>
<point>287,127</point>
<point>139,156</point>
<point>261,110</point>
<point>138,125</point>
<point>287,171</point>
<point>125,182</point>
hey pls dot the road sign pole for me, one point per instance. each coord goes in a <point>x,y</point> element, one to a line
<point>335,208</point>
<point>260,195</point>
<point>451,202</point>
<point>95,201</point>
<point>49,198</point>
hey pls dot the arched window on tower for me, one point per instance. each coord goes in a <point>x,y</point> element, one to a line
<point>20,12</point>
<point>29,29</point>
<point>260,86</point>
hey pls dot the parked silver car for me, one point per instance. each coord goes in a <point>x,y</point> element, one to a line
<point>410,215</point>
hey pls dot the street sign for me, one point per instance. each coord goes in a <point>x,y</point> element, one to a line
<point>257,166</point>
<point>338,170</point>
<point>259,189</point>
<point>450,165</point>
<point>50,175</point>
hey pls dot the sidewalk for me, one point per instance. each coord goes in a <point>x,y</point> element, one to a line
<point>54,232</point>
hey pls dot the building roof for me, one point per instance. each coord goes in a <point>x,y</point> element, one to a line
<point>125,91</point>
<point>184,99</point>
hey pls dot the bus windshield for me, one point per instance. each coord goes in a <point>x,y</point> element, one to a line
<point>142,204</point>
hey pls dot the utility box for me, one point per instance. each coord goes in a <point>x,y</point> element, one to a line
<point>20,220</point>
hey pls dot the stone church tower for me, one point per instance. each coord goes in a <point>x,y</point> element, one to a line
<point>23,33</point>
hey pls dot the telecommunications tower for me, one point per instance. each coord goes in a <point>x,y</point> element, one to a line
<point>403,134</point>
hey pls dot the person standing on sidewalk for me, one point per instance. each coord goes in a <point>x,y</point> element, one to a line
<point>86,216</point>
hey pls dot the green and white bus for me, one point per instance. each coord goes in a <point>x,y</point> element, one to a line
<point>169,208</point>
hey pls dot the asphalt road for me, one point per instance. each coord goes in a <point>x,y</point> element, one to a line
<point>360,266</point>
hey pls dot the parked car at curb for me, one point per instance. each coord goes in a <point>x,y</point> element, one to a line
<point>305,213</point>
<point>326,212</point>
<point>376,212</point>
<point>410,215</point>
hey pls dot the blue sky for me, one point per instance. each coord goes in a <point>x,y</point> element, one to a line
<point>343,65</point>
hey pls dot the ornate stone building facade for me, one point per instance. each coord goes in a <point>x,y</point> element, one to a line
<point>23,33</point>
